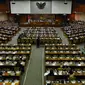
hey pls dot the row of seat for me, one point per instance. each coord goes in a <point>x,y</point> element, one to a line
<point>7,31</point>
<point>9,82</point>
<point>13,62</point>
<point>7,23</point>
<point>46,35</point>
<point>75,32</point>
<point>64,69</point>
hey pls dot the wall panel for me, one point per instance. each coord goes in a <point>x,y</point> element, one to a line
<point>79,8</point>
<point>58,7</point>
<point>80,16</point>
<point>35,10</point>
<point>4,8</point>
<point>3,17</point>
<point>20,7</point>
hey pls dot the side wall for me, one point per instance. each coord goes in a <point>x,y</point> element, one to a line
<point>3,17</point>
<point>80,16</point>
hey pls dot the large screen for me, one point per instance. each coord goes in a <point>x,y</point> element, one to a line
<point>41,7</point>
<point>61,7</point>
<point>20,7</point>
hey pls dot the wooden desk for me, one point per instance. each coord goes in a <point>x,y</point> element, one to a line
<point>65,45</point>
<point>69,84</point>
<point>63,49</point>
<point>65,59</point>
<point>63,53</point>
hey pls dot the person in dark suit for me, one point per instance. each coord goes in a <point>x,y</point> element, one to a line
<point>38,42</point>
<point>51,73</point>
<point>71,72</point>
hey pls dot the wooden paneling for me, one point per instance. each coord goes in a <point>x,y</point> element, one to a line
<point>80,16</point>
<point>38,25</point>
<point>3,17</point>
<point>79,7</point>
<point>71,17</point>
<point>4,8</point>
<point>57,21</point>
<point>23,18</point>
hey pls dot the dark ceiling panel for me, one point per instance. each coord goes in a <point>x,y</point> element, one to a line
<point>41,0</point>
<point>2,1</point>
<point>80,1</point>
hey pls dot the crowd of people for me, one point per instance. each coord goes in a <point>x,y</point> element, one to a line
<point>13,60</point>
<point>39,34</point>
<point>75,32</point>
<point>64,65</point>
<point>7,30</point>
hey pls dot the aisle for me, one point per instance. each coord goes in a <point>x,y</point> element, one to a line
<point>35,70</point>
<point>62,36</point>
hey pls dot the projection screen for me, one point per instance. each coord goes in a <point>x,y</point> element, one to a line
<point>20,7</point>
<point>59,7</point>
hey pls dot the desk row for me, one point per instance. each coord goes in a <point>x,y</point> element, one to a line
<point>9,82</point>
<point>14,52</point>
<point>62,52</point>
<point>61,45</point>
<point>65,82</point>
<point>64,63</point>
<point>12,63</point>
<point>15,47</point>
<point>61,72</point>
<point>13,57</point>
<point>62,48</point>
<point>10,73</point>
<point>65,58</point>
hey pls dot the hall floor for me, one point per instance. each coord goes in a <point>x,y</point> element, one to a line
<point>35,67</point>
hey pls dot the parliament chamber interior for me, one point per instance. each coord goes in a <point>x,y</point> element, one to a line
<point>42,42</point>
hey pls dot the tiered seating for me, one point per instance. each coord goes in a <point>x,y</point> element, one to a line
<point>75,32</point>
<point>47,35</point>
<point>7,31</point>
<point>8,23</point>
<point>83,50</point>
<point>13,60</point>
<point>64,65</point>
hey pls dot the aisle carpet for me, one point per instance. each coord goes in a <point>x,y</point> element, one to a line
<point>61,35</point>
<point>34,74</point>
